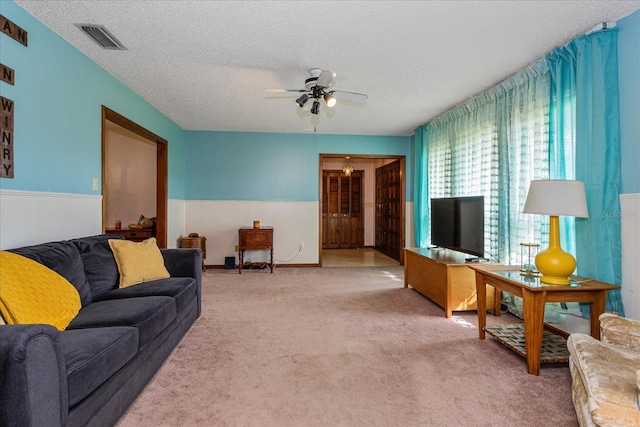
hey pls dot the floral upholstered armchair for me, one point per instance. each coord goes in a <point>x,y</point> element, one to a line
<point>606,374</point>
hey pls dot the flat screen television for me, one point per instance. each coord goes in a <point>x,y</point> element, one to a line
<point>458,223</point>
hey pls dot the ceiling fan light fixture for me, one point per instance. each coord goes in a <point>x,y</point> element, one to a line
<point>302,100</point>
<point>320,86</point>
<point>329,99</point>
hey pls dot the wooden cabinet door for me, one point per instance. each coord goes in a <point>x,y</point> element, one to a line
<point>388,210</point>
<point>344,213</point>
<point>356,214</point>
<point>342,225</point>
<point>331,211</point>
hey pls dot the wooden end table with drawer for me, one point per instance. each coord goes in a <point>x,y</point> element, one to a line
<point>133,234</point>
<point>254,239</point>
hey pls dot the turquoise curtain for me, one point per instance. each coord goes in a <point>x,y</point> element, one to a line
<point>556,119</point>
<point>585,115</point>
<point>421,187</point>
<point>494,145</point>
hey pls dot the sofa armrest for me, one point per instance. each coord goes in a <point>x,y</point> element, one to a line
<point>185,262</point>
<point>33,384</point>
<point>620,331</point>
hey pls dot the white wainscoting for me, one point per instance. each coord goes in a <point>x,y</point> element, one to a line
<point>630,230</point>
<point>175,222</point>
<point>409,234</point>
<point>293,222</point>
<point>29,217</point>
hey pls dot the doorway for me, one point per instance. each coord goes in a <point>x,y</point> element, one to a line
<point>110,117</point>
<point>366,257</point>
<point>367,165</point>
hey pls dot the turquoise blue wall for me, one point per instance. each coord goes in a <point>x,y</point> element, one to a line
<point>271,166</point>
<point>58,95</point>
<point>629,81</point>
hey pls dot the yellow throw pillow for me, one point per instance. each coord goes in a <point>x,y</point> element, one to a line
<point>138,262</point>
<point>33,293</point>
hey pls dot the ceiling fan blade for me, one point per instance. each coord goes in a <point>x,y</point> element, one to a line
<point>284,90</point>
<point>325,78</point>
<point>350,96</point>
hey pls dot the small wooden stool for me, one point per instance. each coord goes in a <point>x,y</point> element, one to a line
<point>195,241</point>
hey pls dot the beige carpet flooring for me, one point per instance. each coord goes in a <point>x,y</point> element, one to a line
<point>342,347</point>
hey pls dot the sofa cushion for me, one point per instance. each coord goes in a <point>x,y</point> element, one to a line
<point>93,355</point>
<point>100,266</point>
<point>138,262</point>
<point>612,393</point>
<point>33,293</point>
<point>64,259</point>
<point>183,289</point>
<point>151,315</point>
<point>622,331</point>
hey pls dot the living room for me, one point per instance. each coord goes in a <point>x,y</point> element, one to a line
<point>212,157</point>
<point>215,185</point>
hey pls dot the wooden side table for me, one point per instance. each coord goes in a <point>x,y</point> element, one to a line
<point>199,242</point>
<point>534,295</point>
<point>254,239</point>
<point>135,235</point>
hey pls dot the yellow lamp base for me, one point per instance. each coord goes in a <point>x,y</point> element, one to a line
<point>550,280</point>
<point>556,266</point>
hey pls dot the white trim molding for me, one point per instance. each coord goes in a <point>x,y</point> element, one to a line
<point>630,235</point>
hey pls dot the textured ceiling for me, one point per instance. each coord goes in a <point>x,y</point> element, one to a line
<point>205,64</point>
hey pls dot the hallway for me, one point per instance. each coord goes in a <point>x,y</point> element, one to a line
<point>366,257</point>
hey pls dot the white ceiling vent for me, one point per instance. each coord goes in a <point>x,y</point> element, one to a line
<point>102,36</point>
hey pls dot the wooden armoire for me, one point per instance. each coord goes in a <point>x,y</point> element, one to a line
<point>342,210</point>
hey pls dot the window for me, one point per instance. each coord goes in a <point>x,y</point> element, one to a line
<point>494,146</point>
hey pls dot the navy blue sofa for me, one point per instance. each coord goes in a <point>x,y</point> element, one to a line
<point>91,372</point>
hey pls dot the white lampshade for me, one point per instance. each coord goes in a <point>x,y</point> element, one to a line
<point>557,197</point>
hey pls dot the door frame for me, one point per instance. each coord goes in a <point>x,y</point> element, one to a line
<point>403,185</point>
<point>161,168</point>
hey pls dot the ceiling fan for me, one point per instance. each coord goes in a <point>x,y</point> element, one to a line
<point>319,85</point>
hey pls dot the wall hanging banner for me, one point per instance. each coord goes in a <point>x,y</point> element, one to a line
<point>6,135</point>
<point>13,31</point>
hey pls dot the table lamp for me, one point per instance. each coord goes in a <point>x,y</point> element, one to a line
<point>555,197</point>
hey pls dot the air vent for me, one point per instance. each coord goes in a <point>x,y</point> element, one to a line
<point>102,36</point>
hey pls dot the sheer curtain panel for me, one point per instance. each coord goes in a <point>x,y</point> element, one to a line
<point>493,146</point>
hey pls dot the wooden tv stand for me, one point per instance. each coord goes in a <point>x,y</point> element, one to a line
<point>443,276</point>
